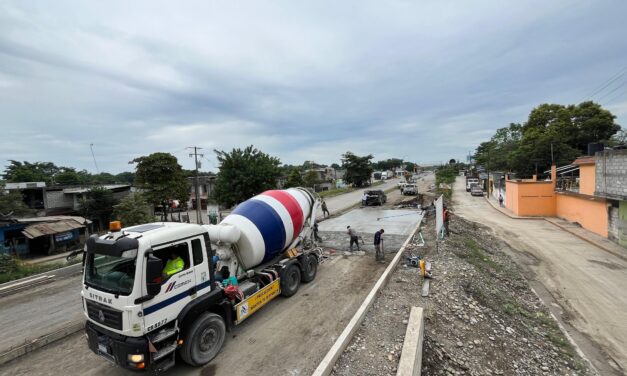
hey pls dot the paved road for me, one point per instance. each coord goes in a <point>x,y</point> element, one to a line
<point>587,283</point>
<point>342,202</point>
<point>53,305</point>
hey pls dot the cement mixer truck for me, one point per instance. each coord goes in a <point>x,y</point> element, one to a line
<point>140,314</point>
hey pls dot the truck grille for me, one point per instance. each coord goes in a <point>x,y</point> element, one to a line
<point>104,315</point>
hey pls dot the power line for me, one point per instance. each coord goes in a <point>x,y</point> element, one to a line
<point>620,93</point>
<point>608,82</point>
<point>91,146</point>
<point>613,91</point>
<point>196,187</point>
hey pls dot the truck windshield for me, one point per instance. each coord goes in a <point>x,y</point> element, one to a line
<point>110,273</point>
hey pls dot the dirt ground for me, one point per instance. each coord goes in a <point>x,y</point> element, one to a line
<point>582,285</point>
<point>481,316</point>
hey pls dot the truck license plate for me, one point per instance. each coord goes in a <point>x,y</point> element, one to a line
<point>103,348</point>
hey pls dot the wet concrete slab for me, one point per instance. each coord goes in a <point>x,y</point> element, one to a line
<point>370,220</point>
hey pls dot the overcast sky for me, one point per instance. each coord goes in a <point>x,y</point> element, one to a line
<point>421,80</point>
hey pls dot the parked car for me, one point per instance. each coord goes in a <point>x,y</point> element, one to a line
<point>375,197</point>
<point>476,191</point>
<point>410,189</point>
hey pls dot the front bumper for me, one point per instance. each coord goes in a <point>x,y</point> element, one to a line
<point>116,347</point>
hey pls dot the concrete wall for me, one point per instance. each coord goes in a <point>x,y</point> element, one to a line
<point>613,231</point>
<point>611,173</point>
<point>587,179</point>
<point>57,199</point>
<point>531,199</point>
<point>590,213</point>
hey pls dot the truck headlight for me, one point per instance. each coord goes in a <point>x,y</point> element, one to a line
<point>136,358</point>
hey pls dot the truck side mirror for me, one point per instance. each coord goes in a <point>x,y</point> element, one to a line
<point>154,267</point>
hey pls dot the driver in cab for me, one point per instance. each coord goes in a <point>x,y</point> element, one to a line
<point>174,265</point>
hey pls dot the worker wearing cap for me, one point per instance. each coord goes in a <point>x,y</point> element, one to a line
<point>174,265</point>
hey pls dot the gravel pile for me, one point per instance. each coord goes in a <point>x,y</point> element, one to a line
<point>481,317</point>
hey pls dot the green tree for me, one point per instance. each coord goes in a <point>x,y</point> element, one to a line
<point>98,206</point>
<point>133,210</point>
<point>17,172</point>
<point>358,169</point>
<point>125,178</point>
<point>336,166</point>
<point>243,174</point>
<point>553,133</point>
<point>388,164</point>
<point>161,178</point>
<point>12,204</point>
<point>294,179</point>
<point>69,176</point>
<point>311,179</point>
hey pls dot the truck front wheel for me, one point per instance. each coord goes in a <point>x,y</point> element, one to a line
<point>203,340</point>
<point>290,280</point>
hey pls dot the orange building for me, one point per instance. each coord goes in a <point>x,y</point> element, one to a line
<point>529,198</point>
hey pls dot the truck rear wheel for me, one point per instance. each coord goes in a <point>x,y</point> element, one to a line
<point>203,340</point>
<point>310,268</point>
<point>290,280</point>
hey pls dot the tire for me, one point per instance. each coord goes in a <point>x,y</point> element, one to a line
<point>290,280</point>
<point>203,340</point>
<point>310,268</point>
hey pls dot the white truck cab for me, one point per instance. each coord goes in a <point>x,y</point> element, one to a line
<point>138,317</point>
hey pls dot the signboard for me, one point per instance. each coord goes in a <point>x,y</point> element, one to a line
<point>63,236</point>
<point>439,216</point>
<point>256,301</point>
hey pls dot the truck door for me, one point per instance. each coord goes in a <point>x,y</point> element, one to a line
<point>177,289</point>
<point>201,266</point>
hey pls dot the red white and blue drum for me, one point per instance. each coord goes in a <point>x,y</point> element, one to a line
<point>269,223</point>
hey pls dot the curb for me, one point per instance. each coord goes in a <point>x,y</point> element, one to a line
<point>328,362</point>
<point>34,344</point>
<point>600,246</point>
<point>410,363</point>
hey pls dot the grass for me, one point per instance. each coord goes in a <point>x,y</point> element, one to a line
<point>12,269</point>
<point>446,175</point>
<point>339,191</point>
<point>477,257</point>
<point>335,192</point>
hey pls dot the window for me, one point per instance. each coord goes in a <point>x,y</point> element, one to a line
<point>197,250</point>
<point>178,250</point>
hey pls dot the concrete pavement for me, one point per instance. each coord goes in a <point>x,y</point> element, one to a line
<point>586,284</point>
<point>41,310</point>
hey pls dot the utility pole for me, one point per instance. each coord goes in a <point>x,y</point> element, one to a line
<point>196,187</point>
<point>91,146</point>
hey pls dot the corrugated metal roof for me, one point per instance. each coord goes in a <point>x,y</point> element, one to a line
<point>50,228</point>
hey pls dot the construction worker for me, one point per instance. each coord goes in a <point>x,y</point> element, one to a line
<point>446,217</point>
<point>378,241</point>
<point>325,211</point>
<point>315,232</point>
<point>354,237</point>
<point>174,265</point>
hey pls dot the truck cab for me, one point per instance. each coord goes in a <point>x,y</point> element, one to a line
<point>135,313</point>
<point>153,290</point>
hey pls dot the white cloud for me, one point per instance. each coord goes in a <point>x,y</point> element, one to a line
<point>426,81</point>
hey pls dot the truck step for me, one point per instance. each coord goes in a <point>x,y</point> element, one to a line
<point>164,365</point>
<point>164,351</point>
<point>163,334</point>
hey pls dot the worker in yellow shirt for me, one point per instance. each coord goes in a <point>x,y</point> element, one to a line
<point>174,265</point>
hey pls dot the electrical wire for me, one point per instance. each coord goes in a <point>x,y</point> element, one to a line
<point>608,82</point>
<point>613,91</point>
